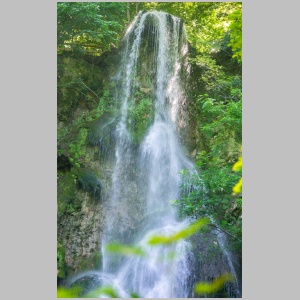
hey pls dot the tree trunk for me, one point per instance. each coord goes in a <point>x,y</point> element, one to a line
<point>136,7</point>
<point>128,13</point>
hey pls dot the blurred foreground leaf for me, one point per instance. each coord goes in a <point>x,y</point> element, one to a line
<point>68,293</point>
<point>184,233</point>
<point>125,250</point>
<point>134,295</point>
<point>238,187</point>
<point>238,165</point>
<point>208,288</point>
<point>103,291</point>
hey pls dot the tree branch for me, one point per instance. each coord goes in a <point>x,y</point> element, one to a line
<point>90,89</point>
<point>78,44</point>
<point>219,229</point>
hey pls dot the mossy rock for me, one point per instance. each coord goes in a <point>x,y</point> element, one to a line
<point>61,269</point>
<point>102,134</point>
<point>67,200</point>
<point>140,117</point>
<point>89,182</point>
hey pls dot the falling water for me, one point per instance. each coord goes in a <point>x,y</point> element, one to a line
<point>146,173</point>
<point>156,161</point>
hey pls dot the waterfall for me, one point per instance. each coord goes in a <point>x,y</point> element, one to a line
<point>148,159</point>
<point>157,161</point>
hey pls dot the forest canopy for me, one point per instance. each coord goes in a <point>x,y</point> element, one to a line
<point>99,25</point>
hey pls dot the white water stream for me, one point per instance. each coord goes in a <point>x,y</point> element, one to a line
<point>159,159</point>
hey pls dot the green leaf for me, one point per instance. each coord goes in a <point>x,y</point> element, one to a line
<point>103,291</point>
<point>68,293</point>
<point>184,233</point>
<point>203,288</point>
<point>125,249</point>
<point>134,295</point>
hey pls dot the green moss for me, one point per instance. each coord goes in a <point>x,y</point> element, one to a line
<point>89,182</point>
<point>140,117</point>
<point>78,85</point>
<point>77,148</point>
<point>61,261</point>
<point>92,262</point>
<point>67,200</point>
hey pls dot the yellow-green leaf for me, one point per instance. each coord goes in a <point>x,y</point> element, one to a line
<point>103,291</point>
<point>203,288</point>
<point>67,293</point>
<point>238,187</point>
<point>238,165</point>
<point>125,249</point>
<point>184,233</point>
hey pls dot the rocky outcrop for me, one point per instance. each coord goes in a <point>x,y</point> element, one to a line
<point>84,159</point>
<point>79,233</point>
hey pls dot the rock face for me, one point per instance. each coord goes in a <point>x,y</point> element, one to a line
<point>84,160</point>
<point>80,235</point>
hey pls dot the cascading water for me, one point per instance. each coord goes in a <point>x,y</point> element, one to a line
<point>157,162</point>
<point>148,160</point>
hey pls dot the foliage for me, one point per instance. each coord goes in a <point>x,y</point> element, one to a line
<point>235,33</point>
<point>222,125</point>
<point>125,249</point>
<point>103,291</point>
<point>217,115</point>
<point>210,193</point>
<point>237,167</point>
<point>67,201</point>
<point>89,182</point>
<point>203,288</point>
<point>90,25</point>
<point>207,23</point>
<point>78,86</point>
<point>60,260</point>
<point>77,148</point>
<point>68,293</point>
<point>140,116</point>
<point>182,234</point>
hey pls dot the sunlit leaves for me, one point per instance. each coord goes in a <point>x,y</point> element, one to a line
<point>238,187</point>
<point>182,234</point>
<point>222,125</point>
<point>236,32</point>
<point>203,288</point>
<point>90,25</point>
<point>125,249</point>
<point>208,22</point>
<point>237,167</point>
